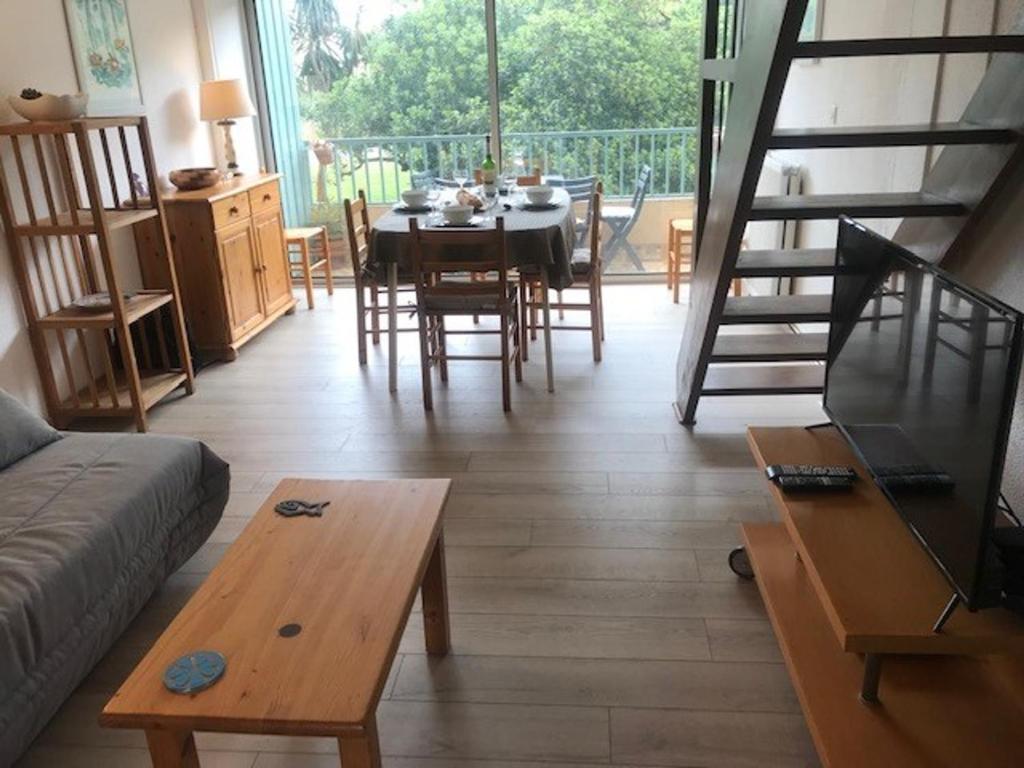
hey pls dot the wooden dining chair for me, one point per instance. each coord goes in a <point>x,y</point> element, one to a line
<point>586,271</point>
<point>679,253</point>
<point>530,180</point>
<point>357,222</point>
<point>441,259</point>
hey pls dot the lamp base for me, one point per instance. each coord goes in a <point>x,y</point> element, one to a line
<point>229,150</point>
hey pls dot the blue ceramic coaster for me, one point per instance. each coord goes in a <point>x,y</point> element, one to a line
<point>195,672</point>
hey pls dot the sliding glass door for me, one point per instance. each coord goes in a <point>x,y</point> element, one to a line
<point>390,93</point>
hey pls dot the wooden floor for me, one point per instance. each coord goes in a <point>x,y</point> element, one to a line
<point>595,621</point>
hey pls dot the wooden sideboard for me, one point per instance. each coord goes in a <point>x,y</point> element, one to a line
<point>231,260</point>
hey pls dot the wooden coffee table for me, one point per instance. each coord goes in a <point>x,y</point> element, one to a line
<point>348,579</point>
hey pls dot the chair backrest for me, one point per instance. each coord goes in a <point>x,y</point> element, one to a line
<point>423,179</point>
<point>357,221</point>
<point>581,190</point>
<point>531,180</point>
<point>436,252</point>
<point>643,181</point>
<point>595,226</point>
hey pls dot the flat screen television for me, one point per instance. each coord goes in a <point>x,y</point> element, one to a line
<point>921,379</point>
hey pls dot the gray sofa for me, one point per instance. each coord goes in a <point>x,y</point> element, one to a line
<point>90,526</point>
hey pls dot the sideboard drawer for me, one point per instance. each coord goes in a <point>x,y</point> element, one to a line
<point>230,210</point>
<point>265,197</point>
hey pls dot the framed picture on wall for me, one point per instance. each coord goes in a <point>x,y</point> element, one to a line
<point>101,43</point>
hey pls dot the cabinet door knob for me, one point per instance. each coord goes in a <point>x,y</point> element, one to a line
<point>267,197</point>
<point>233,210</point>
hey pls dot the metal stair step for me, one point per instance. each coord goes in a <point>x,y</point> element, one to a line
<point>794,262</point>
<point>769,347</point>
<point>939,134</point>
<point>880,205</point>
<point>735,380</point>
<point>905,46</point>
<point>809,308</point>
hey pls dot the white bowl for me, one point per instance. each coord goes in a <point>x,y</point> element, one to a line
<point>458,214</point>
<point>414,198</point>
<point>50,107</point>
<point>539,195</point>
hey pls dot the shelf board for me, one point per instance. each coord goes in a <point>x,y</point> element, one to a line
<point>881,592</point>
<point>65,225</point>
<point>140,305</point>
<point>938,711</point>
<point>155,386</point>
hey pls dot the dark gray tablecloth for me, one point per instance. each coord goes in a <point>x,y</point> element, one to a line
<point>541,239</point>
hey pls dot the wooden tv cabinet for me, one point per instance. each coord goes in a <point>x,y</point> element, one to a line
<point>846,585</point>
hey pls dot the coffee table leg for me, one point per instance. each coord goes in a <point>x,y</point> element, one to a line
<point>435,602</point>
<point>363,750</point>
<point>172,749</point>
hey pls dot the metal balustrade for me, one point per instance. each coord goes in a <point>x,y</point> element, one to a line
<point>382,165</point>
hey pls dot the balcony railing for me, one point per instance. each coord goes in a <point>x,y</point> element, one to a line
<point>382,166</point>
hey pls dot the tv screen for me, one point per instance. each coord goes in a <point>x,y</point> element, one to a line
<point>921,379</point>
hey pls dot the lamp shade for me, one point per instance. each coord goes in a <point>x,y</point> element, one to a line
<point>223,100</point>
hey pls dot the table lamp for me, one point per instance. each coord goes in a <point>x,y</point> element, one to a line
<point>221,101</point>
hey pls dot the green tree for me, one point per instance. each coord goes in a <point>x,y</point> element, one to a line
<point>564,65</point>
<point>329,50</point>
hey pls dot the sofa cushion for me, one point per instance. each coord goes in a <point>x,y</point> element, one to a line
<point>21,431</point>
<point>91,525</point>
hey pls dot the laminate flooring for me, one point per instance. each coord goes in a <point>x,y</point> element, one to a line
<point>594,619</point>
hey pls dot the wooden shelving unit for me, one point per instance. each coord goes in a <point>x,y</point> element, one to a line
<point>65,189</point>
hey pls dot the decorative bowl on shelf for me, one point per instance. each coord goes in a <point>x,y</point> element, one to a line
<point>97,302</point>
<point>187,179</point>
<point>42,107</point>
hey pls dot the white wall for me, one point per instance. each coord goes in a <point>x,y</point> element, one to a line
<point>879,91</point>
<point>34,51</point>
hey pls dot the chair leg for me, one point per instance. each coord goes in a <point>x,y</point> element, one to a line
<point>632,255</point>
<point>325,241</point>
<point>561,312</point>
<point>668,255</point>
<point>517,349</point>
<point>442,350</point>
<point>677,271</point>
<point>307,272</point>
<point>595,316</point>
<point>535,289</point>
<point>506,389</point>
<point>600,297</point>
<point>361,322</point>
<point>428,394</point>
<point>524,308</point>
<point>375,314</point>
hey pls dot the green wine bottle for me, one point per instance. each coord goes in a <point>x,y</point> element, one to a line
<point>489,173</point>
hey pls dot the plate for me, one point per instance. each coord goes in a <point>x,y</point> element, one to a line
<point>540,206</point>
<point>476,221</point>
<point>96,302</point>
<point>403,208</point>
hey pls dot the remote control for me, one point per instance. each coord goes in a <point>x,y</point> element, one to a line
<point>809,483</point>
<point>807,470</point>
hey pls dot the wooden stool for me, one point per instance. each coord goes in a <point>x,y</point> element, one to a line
<point>302,237</point>
<point>680,251</point>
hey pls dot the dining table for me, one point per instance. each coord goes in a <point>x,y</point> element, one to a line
<point>537,238</point>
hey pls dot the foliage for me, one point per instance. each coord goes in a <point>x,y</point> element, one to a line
<point>329,50</point>
<point>564,65</point>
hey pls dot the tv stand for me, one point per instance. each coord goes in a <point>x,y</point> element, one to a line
<point>854,614</point>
